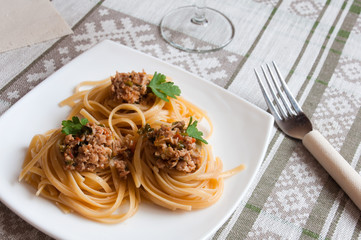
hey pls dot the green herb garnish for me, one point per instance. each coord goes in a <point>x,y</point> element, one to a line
<point>162,89</point>
<point>128,83</point>
<point>76,127</point>
<point>193,132</point>
<point>145,130</point>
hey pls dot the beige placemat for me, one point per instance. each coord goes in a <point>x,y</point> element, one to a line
<point>26,22</point>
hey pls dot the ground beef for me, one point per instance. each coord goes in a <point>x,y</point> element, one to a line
<point>130,87</point>
<point>123,149</point>
<point>122,168</point>
<point>88,152</point>
<point>93,150</point>
<point>173,149</point>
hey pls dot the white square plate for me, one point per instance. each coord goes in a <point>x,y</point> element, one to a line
<point>241,136</point>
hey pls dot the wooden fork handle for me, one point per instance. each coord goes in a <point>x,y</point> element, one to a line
<point>339,169</point>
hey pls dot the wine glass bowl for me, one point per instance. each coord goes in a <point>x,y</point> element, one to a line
<point>197,29</point>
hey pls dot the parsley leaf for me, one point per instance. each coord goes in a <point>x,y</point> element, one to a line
<point>193,132</point>
<point>75,127</point>
<point>162,89</point>
<point>146,130</point>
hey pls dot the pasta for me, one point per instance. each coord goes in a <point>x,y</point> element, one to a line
<point>105,195</point>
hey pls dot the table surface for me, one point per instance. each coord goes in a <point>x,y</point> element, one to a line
<point>316,44</point>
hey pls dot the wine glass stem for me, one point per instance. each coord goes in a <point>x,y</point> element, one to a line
<point>200,16</point>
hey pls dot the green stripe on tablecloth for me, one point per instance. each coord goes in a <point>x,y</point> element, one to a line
<point>250,50</point>
<point>308,38</point>
<point>343,33</point>
<point>253,208</point>
<point>272,143</point>
<point>338,211</point>
<point>331,189</point>
<point>321,210</point>
<point>336,51</point>
<point>340,40</point>
<point>350,140</point>
<point>332,59</point>
<point>322,82</point>
<point>310,234</point>
<point>265,185</point>
<point>356,8</point>
<point>250,212</point>
<point>347,151</point>
<point>350,145</point>
<point>320,54</point>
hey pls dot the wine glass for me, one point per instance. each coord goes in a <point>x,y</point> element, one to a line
<point>197,28</point>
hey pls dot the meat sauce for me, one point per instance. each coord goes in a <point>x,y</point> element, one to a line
<point>130,87</point>
<point>173,149</point>
<point>93,150</point>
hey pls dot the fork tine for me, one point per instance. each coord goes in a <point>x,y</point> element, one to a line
<point>280,93</point>
<point>281,109</point>
<point>292,100</point>
<point>267,97</point>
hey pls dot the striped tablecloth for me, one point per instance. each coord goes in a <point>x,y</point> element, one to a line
<point>316,44</point>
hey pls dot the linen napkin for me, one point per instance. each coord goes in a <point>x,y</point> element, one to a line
<point>26,22</point>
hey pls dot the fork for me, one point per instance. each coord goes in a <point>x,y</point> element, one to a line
<point>293,122</point>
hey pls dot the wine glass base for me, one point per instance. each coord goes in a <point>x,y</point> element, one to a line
<point>182,30</point>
